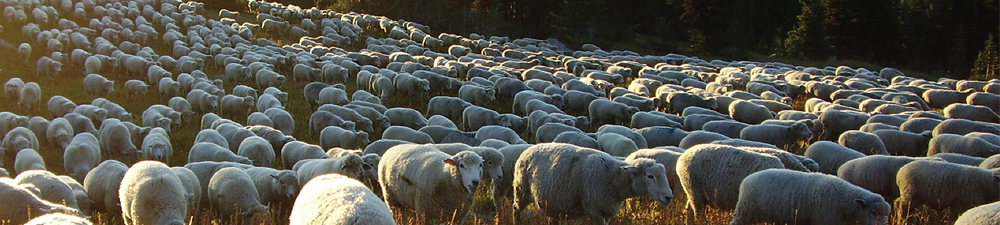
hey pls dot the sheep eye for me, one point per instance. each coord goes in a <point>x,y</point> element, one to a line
<point>650,177</point>
<point>461,166</point>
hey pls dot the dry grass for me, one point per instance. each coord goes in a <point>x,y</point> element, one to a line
<point>69,84</point>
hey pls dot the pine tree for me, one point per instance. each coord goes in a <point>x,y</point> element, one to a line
<point>808,38</point>
<point>987,65</point>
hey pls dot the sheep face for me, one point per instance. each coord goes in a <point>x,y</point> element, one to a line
<point>651,178</point>
<point>469,166</point>
<point>872,208</point>
<point>288,183</point>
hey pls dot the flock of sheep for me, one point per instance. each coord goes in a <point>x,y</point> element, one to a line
<point>722,134</point>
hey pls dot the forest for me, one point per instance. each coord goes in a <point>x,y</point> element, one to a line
<point>951,38</point>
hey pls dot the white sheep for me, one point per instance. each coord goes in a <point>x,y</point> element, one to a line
<point>98,86</point>
<point>904,143</point>
<point>156,146</point>
<point>963,127</point>
<point>952,143</point>
<point>971,112</point>
<point>983,214</point>
<point>876,173</point>
<point>711,175</point>
<point>233,106</point>
<point>28,159</point>
<point>151,193</point>
<point>60,106</point>
<point>21,204</point>
<point>749,112</point>
<point>333,136</point>
<point>24,50</point>
<point>81,155</point>
<point>136,87</point>
<point>493,160</point>
<point>778,135</point>
<point>30,96</point>
<point>59,218</point>
<point>295,151</point>
<point>17,139</point>
<point>992,162</point>
<point>336,199</point>
<point>412,175</point>
<point>82,200</point>
<point>785,196</point>
<point>191,185</point>
<point>258,150</point>
<point>205,151</point>
<point>275,187</point>
<point>401,116</point>
<point>233,194</point>
<point>12,89</point>
<point>867,143</point>
<point>830,155</point>
<point>48,187</point>
<point>350,165</point>
<point>942,185</point>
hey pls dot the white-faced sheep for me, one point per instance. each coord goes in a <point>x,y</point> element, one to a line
<point>412,175</point>
<point>867,143</point>
<point>606,111</point>
<point>876,173</point>
<point>333,136</point>
<point>151,193</point>
<point>191,185</point>
<point>350,165</point>
<point>293,152</point>
<point>17,139</point>
<point>952,143</point>
<point>711,175</point>
<point>275,186</point>
<point>785,196</point>
<point>778,135</point>
<point>23,205</point>
<point>749,112</point>
<point>205,151</point>
<point>923,182</point>
<point>81,155</point>
<point>258,150</point>
<point>30,96</point>
<point>836,122</point>
<point>493,160</point>
<point>28,159</point>
<point>336,199</point>
<point>964,126</point>
<point>971,112</point>
<point>830,155</point>
<point>232,192</point>
<point>669,160</point>
<point>47,186</point>
<point>538,167</point>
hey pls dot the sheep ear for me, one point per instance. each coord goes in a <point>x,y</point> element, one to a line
<point>861,202</point>
<point>274,176</point>
<point>630,169</point>
<point>367,167</point>
<point>450,161</point>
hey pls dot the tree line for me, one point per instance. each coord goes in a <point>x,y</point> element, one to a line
<point>944,37</point>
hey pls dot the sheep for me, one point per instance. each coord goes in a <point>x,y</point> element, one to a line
<point>439,120</point>
<point>28,159</point>
<point>867,143</point>
<point>410,85</point>
<point>59,132</point>
<point>30,96</point>
<point>577,138</point>
<point>830,155</point>
<point>921,183</point>
<point>236,106</point>
<point>136,87</point>
<point>662,136</point>
<point>350,165</point>
<point>983,214</point>
<point>536,166</point>
<point>47,186</point>
<point>904,143</point>
<point>410,173</point>
<point>493,160</point>
<point>203,102</point>
<point>293,152</point>
<point>232,192</point>
<point>778,135</point>
<point>332,95</point>
<point>322,119</point>
<point>669,160</point>
<point>992,162</point>
<point>836,122</point>
<point>959,159</point>
<point>876,173</point>
<point>205,151</point>
<point>605,111</point>
<point>400,116</point>
<point>749,112</point>
<point>710,175</point>
<point>333,136</point>
<point>282,120</point>
<point>258,118</point>
<point>647,119</point>
<point>258,150</point>
<point>81,155</point>
<point>98,86</point>
<point>50,68</point>
<point>12,89</point>
<point>475,117</point>
<point>204,171</point>
<point>943,98</point>
<point>407,134</point>
<point>268,78</point>
<point>18,139</point>
<point>156,146</point>
<point>336,199</point>
<point>964,126</point>
<point>971,112</point>
<point>23,205</point>
<point>39,125</point>
<point>192,186</point>
<point>729,128</point>
<point>82,200</point>
<point>181,105</point>
<point>275,186</point>
<point>362,123</point>
<point>806,198</point>
<point>60,106</point>
<point>952,143</point>
<point>58,218</point>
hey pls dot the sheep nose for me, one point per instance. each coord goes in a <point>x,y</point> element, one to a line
<point>475,183</point>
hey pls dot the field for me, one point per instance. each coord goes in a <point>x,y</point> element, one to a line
<point>70,85</point>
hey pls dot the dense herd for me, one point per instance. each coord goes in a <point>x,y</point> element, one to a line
<point>577,133</point>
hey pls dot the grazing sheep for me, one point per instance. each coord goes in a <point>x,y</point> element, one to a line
<point>98,86</point>
<point>410,175</point>
<point>475,117</point>
<point>258,150</point>
<point>81,155</point>
<point>30,96</point>
<point>536,169</point>
<point>275,186</point>
<point>18,139</point>
<point>971,112</point>
<point>904,143</point>
<point>669,160</point>
<point>604,111</point>
<point>662,136</point>
<point>401,116</point>
<point>233,194</point>
<point>729,128</point>
<point>233,106</point>
<point>922,182</point>
<point>952,143</point>
<point>778,135</point>
<point>47,186</point>
<point>784,196</point>
<point>830,155</point>
<point>192,186</point>
<point>836,122</point>
<point>498,133</point>
<point>136,87</point>
<point>156,146</point>
<point>59,106</point>
<point>59,133</point>
<point>28,159</point>
<point>959,159</point>
<point>336,199</point>
<point>710,175</point>
<point>577,138</point>
<point>59,218</point>
<point>333,136</point>
<point>22,205</point>
<point>205,151</point>
<point>992,162</point>
<point>983,214</point>
<point>350,165</point>
<point>964,126</point>
<point>51,68</point>
<point>477,95</point>
<point>749,112</point>
<point>282,120</point>
<point>867,143</point>
<point>876,173</point>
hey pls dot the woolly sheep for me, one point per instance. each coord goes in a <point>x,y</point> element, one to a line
<point>258,150</point>
<point>81,155</point>
<point>777,135</point>
<point>449,107</point>
<point>98,86</point>
<point>17,139</point>
<point>439,120</point>
<point>156,146</point>
<point>904,143</point>
<point>959,158</point>
<point>60,132</point>
<point>116,141</point>
<point>983,214</point>
<point>535,171</point>
<point>710,175</point>
<point>332,95</point>
<point>867,143</point>
<point>322,119</point>
<point>82,200</point>
<point>782,196</point>
<point>362,123</point>
<point>605,111</point>
<point>410,173</point>
<point>964,126</point>
<point>577,138</point>
<point>136,87</point>
<point>336,199</point>
<point>275,186</point>
<point>952,143</point>
<point>205,151</point>
<point>920,183</point>
<point>24,205</point>
<point>59,218</point>
<point>474,117</point>
<point>401,116</point>
<point>748,112</point>
<point>992,162</point>
<point>943,98</point>
<point>233,106</point>
<point>876,173</point>
<point>333,136</point>
<point>830,155</point>
<point>836,122</point>
<point>499,133</point>
<point>971,112</point>
<point>202,102</point>
<point>30,96</point>
<point>293,152</point>
<point>50,68</point>
<point>662,136</point>
<point>729,128</point>
<point>28,159</point>
<point>282,120</point>
<point>59,106</point>
<point>258,118</point>
<point>48,187</point>
<point>232,192</point>
<point>204,172</point>
<point>350,165</point>
<point>647,119</point>
<point>192,186</point>
<point>669,160</point>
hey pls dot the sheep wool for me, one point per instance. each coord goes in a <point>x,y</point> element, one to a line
<point>786,196</point>
<point>711,175</point>
<point>337,199</point>
<point>429,181</point>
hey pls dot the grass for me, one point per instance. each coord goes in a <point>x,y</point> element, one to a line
<point>69,84</point>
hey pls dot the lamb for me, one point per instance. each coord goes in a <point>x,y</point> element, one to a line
<point>47,186</point>
<point>710,175</point>
<point>23,205</point>
<point>18,139</point>
<point>401,116</point>
<point>333,136</point>
<point>409,173</point>
<point>983,214</point>
<point>778,135</point>
<point>336,199</point>
<point>606,111</point>
<point>275,187</point>
<point>205,151</point>
<point>876,173</point>
<point>536,166</point>
<point>350,165</point>
<point>28,159</point>
<point>258,150</point>
<point>81,155</point>
<point>475,117</point>
<point>867,143</point>
<point>920,183</point>
<point>952,143</point>
<point>30,96</point>
<point>971,112</point>
<point>60,132</point>
<point>806,198</point>
<point>232,192</point>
